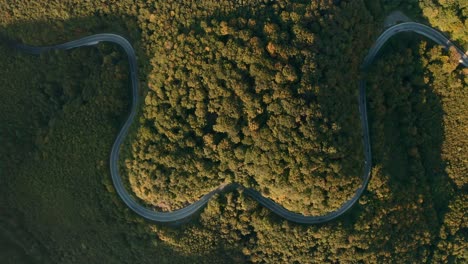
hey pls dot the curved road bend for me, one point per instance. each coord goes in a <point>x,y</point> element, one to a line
<point>180,215</point>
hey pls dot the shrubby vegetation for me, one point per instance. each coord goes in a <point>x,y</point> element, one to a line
<point>264,94</point>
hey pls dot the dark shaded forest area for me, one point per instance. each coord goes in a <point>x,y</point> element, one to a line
<point>261,93</point>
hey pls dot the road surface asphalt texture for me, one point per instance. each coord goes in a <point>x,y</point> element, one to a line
<point>181,215</point>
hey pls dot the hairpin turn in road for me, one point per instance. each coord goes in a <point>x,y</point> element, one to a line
<point>180,215</point>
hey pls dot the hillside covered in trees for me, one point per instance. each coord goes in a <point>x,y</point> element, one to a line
<point>263,93</point>
<point>251,96</point>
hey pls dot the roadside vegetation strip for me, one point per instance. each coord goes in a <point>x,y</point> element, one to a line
<point>180,215</point>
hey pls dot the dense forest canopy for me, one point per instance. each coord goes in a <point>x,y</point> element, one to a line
<point>251,97</point>
<point>263,93</point>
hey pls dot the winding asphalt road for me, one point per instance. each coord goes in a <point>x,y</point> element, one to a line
<point>183,214</point>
